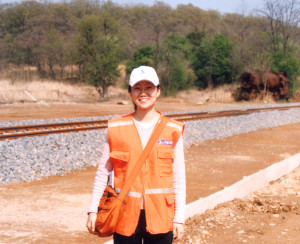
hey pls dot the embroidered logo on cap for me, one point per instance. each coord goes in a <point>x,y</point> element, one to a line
<point>165,142</point>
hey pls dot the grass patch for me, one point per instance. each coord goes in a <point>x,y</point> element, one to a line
<point>51,91</point>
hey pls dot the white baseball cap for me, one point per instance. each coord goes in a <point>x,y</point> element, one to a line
<point>143,73</point>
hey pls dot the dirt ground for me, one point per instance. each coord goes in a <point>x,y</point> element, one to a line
<point>53,210</point>
<point>42,110</point>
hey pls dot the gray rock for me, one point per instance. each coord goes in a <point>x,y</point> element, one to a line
<point>33,158</point>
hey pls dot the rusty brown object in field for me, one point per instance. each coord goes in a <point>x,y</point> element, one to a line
<point>255,84</point>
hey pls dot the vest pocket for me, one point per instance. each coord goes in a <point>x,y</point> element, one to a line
<point>170,199</point>
<point>119,160</point>
<point>165,160</point>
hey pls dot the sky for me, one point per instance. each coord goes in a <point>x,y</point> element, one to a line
<point>223,6</point>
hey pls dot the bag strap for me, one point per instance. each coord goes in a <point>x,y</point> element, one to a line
<point>138,166</point>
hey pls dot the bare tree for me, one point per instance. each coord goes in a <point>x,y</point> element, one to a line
<point>241,30</point>
<point>284,18</point>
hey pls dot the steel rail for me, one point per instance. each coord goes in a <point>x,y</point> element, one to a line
<point>13,132</point>
<point>44,126</point>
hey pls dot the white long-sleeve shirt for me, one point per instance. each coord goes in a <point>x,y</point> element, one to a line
<point>105,167</point>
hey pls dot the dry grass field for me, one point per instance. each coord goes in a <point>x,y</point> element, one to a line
<point>54,91</point>
<point>49,91</point>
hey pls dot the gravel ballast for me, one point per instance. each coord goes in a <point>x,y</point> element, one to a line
<point>32,158</point>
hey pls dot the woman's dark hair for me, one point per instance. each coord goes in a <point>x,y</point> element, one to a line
<point>129,90</point>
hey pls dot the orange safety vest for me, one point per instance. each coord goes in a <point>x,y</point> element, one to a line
<point>155,181</point>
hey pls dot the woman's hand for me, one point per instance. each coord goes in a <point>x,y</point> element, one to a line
<point>90,224</point>
<point>178,231</point>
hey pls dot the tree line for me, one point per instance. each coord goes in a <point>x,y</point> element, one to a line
<point>87,40</point>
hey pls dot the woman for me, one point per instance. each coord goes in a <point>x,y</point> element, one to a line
<point>156,201</point>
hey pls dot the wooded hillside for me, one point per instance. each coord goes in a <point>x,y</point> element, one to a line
<point>87,40</point>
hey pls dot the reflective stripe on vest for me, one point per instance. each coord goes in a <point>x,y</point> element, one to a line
<point>130,193</point>
<point>174,125</point>
<point>158,190</point>
<point>147,191</point>
<point>121,123</point>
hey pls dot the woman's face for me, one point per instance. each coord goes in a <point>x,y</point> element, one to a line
<point>144,94</point>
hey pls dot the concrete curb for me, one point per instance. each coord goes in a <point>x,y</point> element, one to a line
<point>241,188</point>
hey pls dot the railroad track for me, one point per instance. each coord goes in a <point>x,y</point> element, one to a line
<point>13,132</point>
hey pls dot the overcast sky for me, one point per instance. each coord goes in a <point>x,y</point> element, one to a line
<point>223,6</point>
